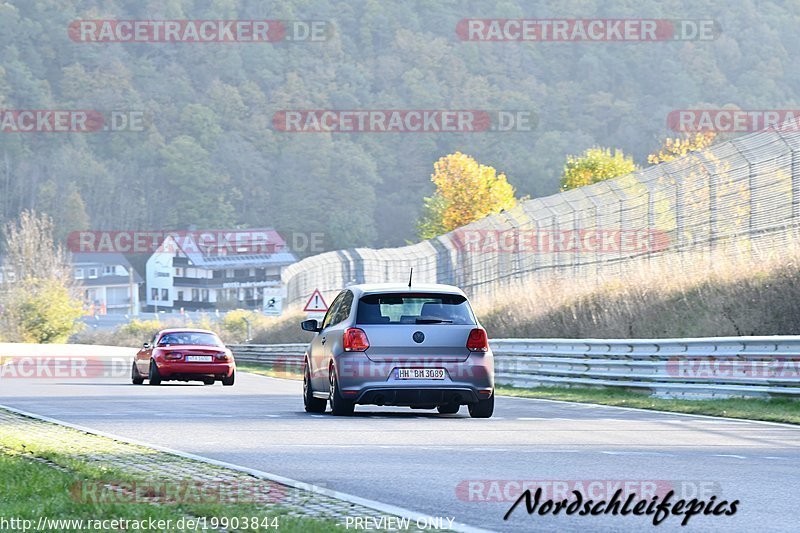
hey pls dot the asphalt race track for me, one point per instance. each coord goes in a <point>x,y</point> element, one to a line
<point>445,465</point>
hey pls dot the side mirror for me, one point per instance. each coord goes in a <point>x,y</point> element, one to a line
<point>146,346</point>
<point>310,325</point>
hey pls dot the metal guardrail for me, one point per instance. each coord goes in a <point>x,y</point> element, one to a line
<point>287,356</point>
<point>692,368</point>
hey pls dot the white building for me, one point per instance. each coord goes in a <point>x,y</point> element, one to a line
<point>213,270</point>
<point>110,284</point>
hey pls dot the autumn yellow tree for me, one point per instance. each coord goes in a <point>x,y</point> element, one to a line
<point>466,191</point>
<point>674,148</point>
<point>595,165</point>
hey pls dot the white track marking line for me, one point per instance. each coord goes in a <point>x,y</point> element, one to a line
<point>301,485</point>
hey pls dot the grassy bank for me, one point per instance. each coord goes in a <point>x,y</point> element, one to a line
<point>772,410</point>
<point>698,296</point>
<point>50,471</point>
<point>31,489</point>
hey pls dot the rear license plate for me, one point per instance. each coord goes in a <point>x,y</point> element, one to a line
<point>199,358</point>
<point>419,373</point>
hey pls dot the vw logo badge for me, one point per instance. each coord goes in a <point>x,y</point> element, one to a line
<point>418,337</point>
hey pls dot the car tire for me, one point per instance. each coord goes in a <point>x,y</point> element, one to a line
<point>136,377</point>
<point>339,406</point>
<point>311,403</point>
<point>154,378</point>
<point>228,381</point>
<point>482,409</point>
<point>448,408</point>
<point>208,381</point>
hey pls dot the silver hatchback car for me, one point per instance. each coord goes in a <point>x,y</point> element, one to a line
<point>386,344</point>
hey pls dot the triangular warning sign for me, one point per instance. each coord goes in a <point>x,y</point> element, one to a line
<point>316,304</point>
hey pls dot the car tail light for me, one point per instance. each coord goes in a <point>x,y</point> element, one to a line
<point>355,340</point>
<point>222,356</point>
<point>477,341</point>
<point>173,356</point>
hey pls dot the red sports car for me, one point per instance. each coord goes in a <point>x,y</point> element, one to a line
<point>184,355</point>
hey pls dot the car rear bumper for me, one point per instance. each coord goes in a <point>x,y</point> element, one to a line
<point>369,382</point>
<point>411,396</point>
<point>181,369</point>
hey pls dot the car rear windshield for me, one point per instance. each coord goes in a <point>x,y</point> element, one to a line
<point>414,308</point>
<point>189,338</point>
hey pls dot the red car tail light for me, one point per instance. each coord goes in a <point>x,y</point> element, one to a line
<point>477,341</point>
<point>173,356</point>
<point>222,356</point>
<point>355,340</point>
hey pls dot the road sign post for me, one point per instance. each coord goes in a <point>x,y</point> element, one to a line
<point>316,306</point>
<point>273,301</point>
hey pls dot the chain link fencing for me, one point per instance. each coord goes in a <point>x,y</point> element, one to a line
<point>738,198</point>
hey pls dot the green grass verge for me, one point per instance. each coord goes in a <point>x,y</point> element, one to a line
<point>267,370</point>
<point>772,410</point>
<point>31,488</point>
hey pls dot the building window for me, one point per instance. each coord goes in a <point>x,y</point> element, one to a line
<point>205,295</point>
<point>78,273</point>
<point>92,273</point>
<point>179,272</point>
<point>195,295</point>
<point>180,296</point>
<point>109,269</point>
<point>165,294</point>
<point>229,273</point>
<point>252,272</point>
<point>154,294</point>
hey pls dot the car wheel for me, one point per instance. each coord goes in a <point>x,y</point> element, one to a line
<point>339,406</point>
<point>136,378</point>
<point>312,404</point>
<point>208,381</point>
<point>228,381</point>
<point>482,409</point>
<point>155,377</point>
<point>448,408</point>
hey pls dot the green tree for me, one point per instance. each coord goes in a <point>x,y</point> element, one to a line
<point>674,148</point>
<point>197,193</point>
<point>594,165</point>
<point>39,303</point>
<point>41,311</point>
<point>466,191</point>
